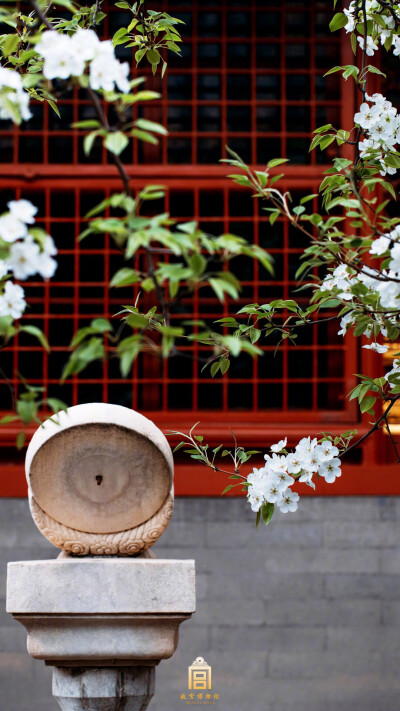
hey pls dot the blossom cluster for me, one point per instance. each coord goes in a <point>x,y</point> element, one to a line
<point>383,285</point>
<point>381,127</point>
<point>379,31</point>
<point>23,254</point>
<point>14,100</point>
<point>66,56</point>
<point>393,375</point>
<point>271,484</point>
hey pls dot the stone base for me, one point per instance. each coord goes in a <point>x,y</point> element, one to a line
<point>107,689</point>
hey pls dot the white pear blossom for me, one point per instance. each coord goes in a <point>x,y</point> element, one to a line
<point>346,321</point>
<point>85,44</point>
<point>275,463</point>
<point>23,257</point>
<point>326,451</point>
<point>11,228</point>
<point>395,371</point>
<point>330,470</point>
<point>3,268</point>
<point>14,100</point>
<point>306,478</point>
<point>45,264</point>
<point>378,347</point>
<point>394,263</point>
<point>294,463</point>
<point>12,302</point>
<point>66,56</point>
<point>371,47</point>
<point>396,45</point>
<point>28,253</point>
<point>279,445</point>
<point>284,480</point>
<point>380,246</point>
<point>273,491</point>
<point>306,445</point>
<point>23,210</point>
<point>255,501</point>
<point>289,501</point>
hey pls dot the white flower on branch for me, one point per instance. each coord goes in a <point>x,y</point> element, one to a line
<point>289,501</point>
<point>393,375</point>
<point>66,56</point>
<point>23,210</point>
<point>3,268</point>
<point>380,246</point>
<point>28,253</point>
<point>330,470</point>
<point>14,100</point>
<point>371,47</point>
<point>279,445</point>
<point>11,228</point>
<point>345,322</point>
<point>22,260</point>
<point>325,452</point>
<point>377,347</point>
<point>12,302</point>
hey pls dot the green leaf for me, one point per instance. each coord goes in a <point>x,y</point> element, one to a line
<point>338,21</point>
<point>120,36</point>
<point>90,123</point>
<point>153,56</point>
<point>37,333</point>
<point>224,365</point>
<point>367,403</point>
<point>8,418</point>
<point>215,368</point>
<point>67,4</point>
<point>56,404</point>
<point>101,325</point>
<point>148,125</point>
<point>89,140</point>
<point>276,161</point>
<point>27,410</point>
<point>267,511</point>
<point>124,277</point>
<point>20,440</point>
<point>327,126</point>
<point>137,320</point>
<point>11,44</point>
<point>197,264</point>
<point>228,488</point>
<point>116,142</point>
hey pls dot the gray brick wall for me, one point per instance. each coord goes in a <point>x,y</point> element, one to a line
<point>301,616</point>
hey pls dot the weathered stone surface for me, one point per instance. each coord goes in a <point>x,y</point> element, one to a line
<point>101,586</point>
<point>123,689</point>
<point>100,480</point>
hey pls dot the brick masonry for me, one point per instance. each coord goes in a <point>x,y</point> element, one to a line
<point>301,616</point>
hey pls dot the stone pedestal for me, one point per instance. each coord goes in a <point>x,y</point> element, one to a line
<point>100,483</point>
<point>103,623</point>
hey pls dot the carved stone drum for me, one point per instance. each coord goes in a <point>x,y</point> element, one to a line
<point>100,480</point>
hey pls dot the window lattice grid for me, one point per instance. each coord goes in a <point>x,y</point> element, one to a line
<point>250,76</point>
<point>308,377</point>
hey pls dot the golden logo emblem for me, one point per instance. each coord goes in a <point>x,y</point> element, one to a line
<point>199,675</point>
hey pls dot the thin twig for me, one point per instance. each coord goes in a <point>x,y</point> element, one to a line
<point>373,428</point>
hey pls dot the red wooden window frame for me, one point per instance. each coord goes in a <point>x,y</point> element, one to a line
<point>72,301</point>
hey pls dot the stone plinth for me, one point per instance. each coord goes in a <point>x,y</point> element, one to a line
<point>101,611</point>
<point>100,483</point>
